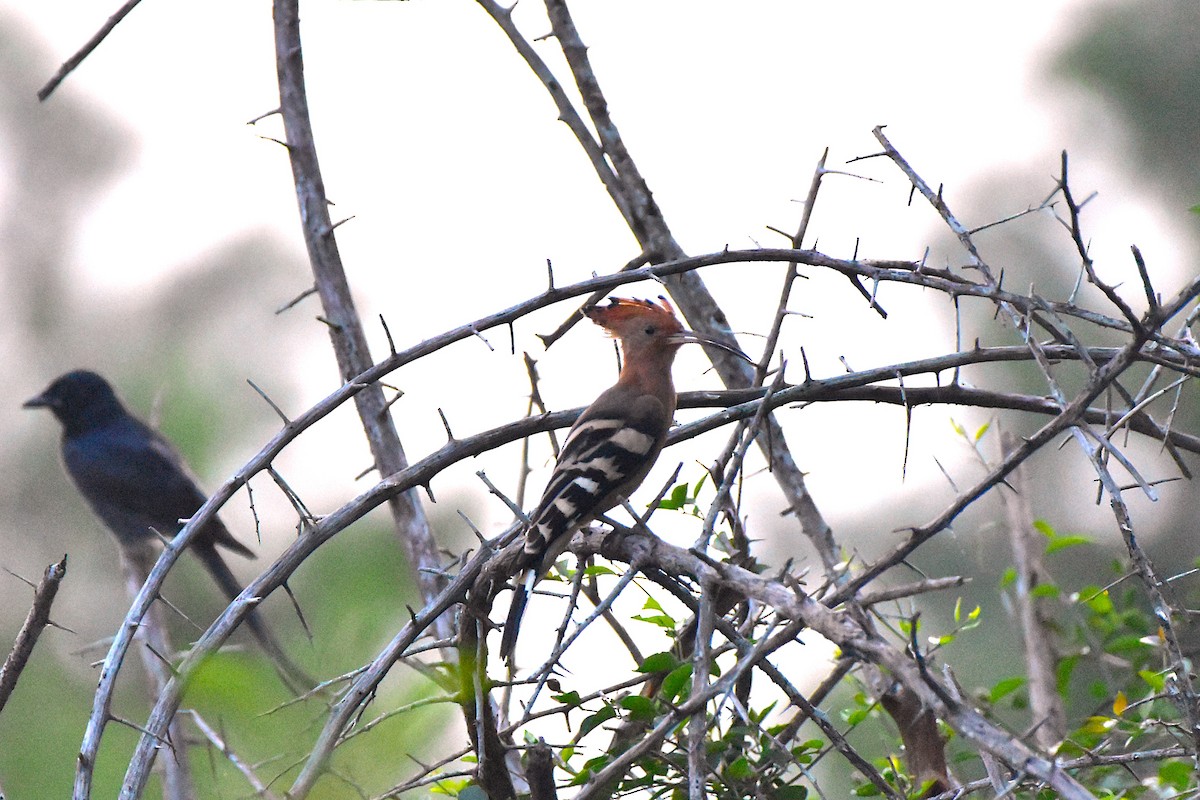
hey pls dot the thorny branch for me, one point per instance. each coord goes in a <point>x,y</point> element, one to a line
<point>423,471</point>
<point>345,328</point>
<point>746,405</point>
<point>770,611</point>
<point>35,622</point>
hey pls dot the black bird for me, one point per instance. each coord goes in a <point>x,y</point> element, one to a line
<point>135,481</point>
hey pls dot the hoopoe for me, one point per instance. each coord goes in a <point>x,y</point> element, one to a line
<point>612,445</point>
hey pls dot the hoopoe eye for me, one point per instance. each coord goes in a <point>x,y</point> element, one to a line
<point>650,330</point>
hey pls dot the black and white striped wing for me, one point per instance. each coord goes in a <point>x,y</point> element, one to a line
<point>606,456</point>
<point>604,459</point>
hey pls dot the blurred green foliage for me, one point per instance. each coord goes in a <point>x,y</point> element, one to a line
<point>179,352</point>
<point>1144,59</point>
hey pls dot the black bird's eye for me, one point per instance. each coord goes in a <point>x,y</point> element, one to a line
<point>650,330</point>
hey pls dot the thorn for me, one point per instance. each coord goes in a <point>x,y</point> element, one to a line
<point>446,425</point>
<point>388,333</point>
<point>22,579</point>
<point>388,405</point>
<point>296,300</point>
<point>481,337</point>
<point>276,141</point>
<point>263,116</point>
<point>478,534</point>
<point>270,402</point>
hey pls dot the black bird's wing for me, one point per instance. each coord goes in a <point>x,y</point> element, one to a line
<point>134,481</point>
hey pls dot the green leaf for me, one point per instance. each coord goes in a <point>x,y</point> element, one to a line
<point>590,767</point>
<point>1009,577</point>
<point>866,790</point>
<point>1063,542</point>
<point>982,430</point>
<point>1005,687</point>
<point>855,716</point>
<point>1098,601</point>
<point>739,769</point>
<point>598,569</point>
<point>1066,667</point>
<point>1176,774</point>
<point>1045,590</point>
<point>758,716</point>
<point>661,620</point>
<point>676,499</point>
<point>451,787</point>
<point>659,662</point>
<point>639,708</point>
<point>793,792</point>
<point>595,720</point>
<point>1124,645</point>
<point>1195,209</point>
<point>1098,724</point>
<point>571,699</point>
<point>1045,527</point>
<point>676,683</point>
<point>1155,680</point>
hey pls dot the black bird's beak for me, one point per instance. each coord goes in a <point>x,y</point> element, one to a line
<point>41,401</point>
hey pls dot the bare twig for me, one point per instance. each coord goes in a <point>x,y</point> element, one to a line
<point>74,61</point>
<point>215,738</point>
<point>35,622</point>
<point>1036,622</point>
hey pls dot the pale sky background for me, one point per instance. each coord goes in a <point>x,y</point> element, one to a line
<point>443,146</point>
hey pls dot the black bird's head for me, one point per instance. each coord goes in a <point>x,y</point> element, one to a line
<point>80,399</point>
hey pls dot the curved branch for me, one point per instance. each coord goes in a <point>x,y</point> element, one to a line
<point>423,471</point>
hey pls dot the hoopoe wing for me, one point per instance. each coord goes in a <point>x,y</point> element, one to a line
<point>605,457</point>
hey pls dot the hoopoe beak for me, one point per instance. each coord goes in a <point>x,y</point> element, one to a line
<point>691,337</point>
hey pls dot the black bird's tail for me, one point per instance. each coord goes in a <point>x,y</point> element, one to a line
<point>292,675</point>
